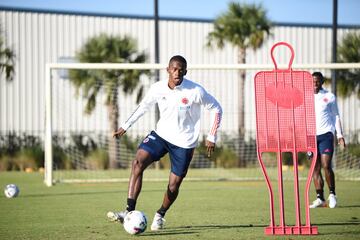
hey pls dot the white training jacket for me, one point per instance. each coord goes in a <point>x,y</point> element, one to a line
<point>327,113</point>
<point>180,111</point>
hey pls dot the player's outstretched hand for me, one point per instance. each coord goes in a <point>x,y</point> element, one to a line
<point>341,142</point>
<point>119,133</point>
<point>210,146</point>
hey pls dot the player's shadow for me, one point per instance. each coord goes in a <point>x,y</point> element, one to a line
<point>67,194</point>
<point>338,223</point>
<point>166,233</point>
<point>197,229</point>
<point>54,194</point>
<point>348,206</point>
<point>354,223</point>
<point>218,226</point>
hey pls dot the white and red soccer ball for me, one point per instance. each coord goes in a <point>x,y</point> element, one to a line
<point>135,222</point>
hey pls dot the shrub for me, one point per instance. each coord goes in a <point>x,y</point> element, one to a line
<point>29,157</point>
<point>19,151</point>
<point>226,158</point>
<point>354,149</point>
<point>98,159</point>
<point>5,163</point>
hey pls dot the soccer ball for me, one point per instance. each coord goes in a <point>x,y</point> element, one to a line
<point>135,222</point>
<point>11,191</point>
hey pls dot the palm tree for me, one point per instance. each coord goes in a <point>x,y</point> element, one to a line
<point>6,59</point>
<point>348,81</point>
<point>108,49</point>
<point>244,26</point>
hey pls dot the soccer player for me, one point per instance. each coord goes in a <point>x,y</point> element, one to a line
<point>177,132</point>
<point>327,121</point>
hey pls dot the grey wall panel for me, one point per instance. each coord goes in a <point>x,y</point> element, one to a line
<point>40,38</point>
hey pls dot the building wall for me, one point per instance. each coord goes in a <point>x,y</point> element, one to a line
<point>39,38</point>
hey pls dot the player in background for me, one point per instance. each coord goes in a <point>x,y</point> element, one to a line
<point>327,122</point>
<point>177,131</point>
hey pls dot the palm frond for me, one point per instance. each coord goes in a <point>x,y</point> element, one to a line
<point>348,81</point>
<point>107,49</point>
<point>7,59</point>
<point>242,25</point>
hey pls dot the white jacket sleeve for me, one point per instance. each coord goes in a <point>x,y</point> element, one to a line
<point>335,112</point>
<point>210,103</point>
<point>148,101</point>
<point>338,127</point>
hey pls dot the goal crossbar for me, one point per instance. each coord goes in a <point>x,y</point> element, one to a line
<point>198,66</point>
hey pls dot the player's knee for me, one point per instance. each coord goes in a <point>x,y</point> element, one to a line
<point>137,165</point>
<point>317,171</point>
<point>327,167</point>
<point>174,184</point>
<point>172,187</point>
<point>316,177</point>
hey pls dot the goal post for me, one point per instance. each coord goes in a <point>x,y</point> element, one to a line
<point>48,165</point>
<point>61,103</point>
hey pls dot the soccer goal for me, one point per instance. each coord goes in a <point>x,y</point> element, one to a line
<point>81,113</point>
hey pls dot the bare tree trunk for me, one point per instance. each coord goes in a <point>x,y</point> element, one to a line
<point>241,127</point>
<point>114,145</point>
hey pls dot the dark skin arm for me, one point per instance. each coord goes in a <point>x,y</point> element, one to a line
<point>119,133</point>
<point>341,142</point>
<point>210,146</point>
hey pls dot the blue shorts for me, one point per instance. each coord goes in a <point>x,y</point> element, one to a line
<point>325,143</point>
<point>157,147</point>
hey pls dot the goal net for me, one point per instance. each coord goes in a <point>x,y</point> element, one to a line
<point>79,120</point>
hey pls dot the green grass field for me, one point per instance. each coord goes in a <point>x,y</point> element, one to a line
<point>203,210</point>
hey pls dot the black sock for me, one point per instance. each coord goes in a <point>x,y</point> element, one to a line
<point>332,190</point>
<point>320,194</point>
<point>162,211</point>
<point>130,204</point>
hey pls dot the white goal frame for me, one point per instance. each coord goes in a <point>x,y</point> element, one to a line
<point>48,176</point>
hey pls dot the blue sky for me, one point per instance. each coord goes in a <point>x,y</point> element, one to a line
<point>288,11</point>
